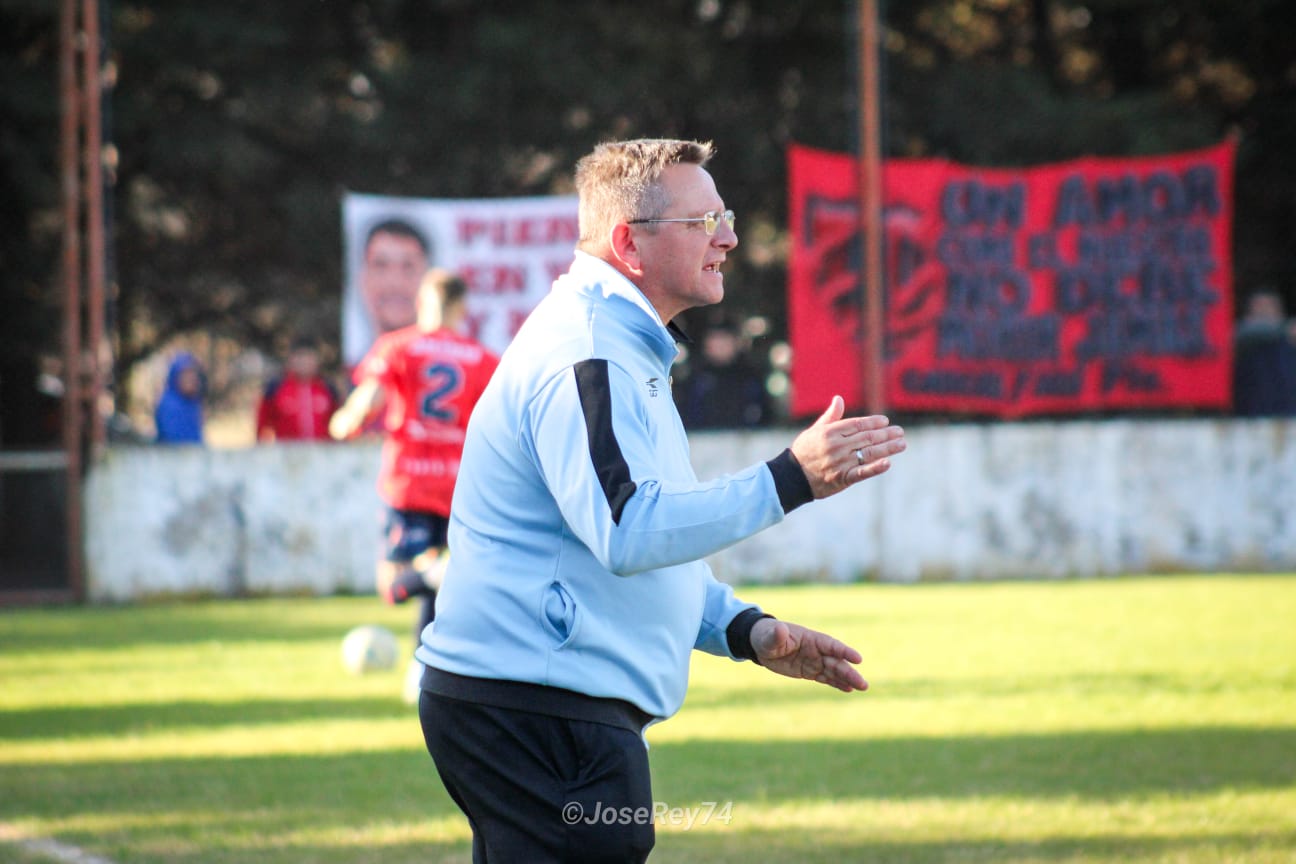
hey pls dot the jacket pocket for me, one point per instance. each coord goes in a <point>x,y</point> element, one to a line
<point>558,614</point>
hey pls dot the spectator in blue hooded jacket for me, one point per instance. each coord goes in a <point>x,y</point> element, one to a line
<point>179,416</point>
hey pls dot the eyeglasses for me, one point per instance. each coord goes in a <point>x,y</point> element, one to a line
<point>710,220</point>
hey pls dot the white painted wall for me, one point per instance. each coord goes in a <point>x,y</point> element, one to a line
<point>275,519</point>
<point>1022,500</point>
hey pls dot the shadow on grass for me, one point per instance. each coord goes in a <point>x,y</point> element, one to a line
<point>1096,765</point>
<point>140,718</point>
<point>1100,764</point>
<point>165,809</point>
<point>784,846</point>
<point>386,853</point>
<point>246,810</point>
<point>286,793</point>
<point>189,622</point>
<point>747,844</point>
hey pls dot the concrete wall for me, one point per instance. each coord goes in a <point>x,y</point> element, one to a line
<point>274,519</point>
<point>965,502</point>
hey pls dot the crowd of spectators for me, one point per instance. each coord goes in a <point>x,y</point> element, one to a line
<point>722,382</point>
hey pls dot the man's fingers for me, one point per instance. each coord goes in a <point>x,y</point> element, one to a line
<point>836,408</point>
<point>889,446</point>
<point>875,458</point>
<point>843,676</point>
<point>872,469</point>
<point>857,425</point>
<point>829,646</point>
<point>845,653</point>
<point>870,434</point>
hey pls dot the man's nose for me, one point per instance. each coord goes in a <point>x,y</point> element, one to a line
<point>725,237</point>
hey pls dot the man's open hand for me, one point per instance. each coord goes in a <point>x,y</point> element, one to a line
<point>799,652</point>
<point>836,454</point>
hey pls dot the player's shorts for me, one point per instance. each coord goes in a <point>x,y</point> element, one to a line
<point>409,533</point>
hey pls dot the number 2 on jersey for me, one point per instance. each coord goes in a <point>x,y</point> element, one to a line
<point>444,382</point>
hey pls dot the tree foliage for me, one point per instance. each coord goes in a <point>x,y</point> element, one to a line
<point>239,124</point>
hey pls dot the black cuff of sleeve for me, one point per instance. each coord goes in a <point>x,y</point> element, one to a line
<point>790,481</point>
<point>738,633</point>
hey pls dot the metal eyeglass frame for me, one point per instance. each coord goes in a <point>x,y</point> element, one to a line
<point>710,220</point>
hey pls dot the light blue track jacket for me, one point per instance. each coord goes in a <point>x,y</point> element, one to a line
<point>578,526</point>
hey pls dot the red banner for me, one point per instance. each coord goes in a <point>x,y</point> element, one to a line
<point>1090,285</point>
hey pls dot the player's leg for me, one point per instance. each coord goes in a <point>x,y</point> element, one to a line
<point>427,613</point>
<point>430,566</point>
<point>414,672</point>
<point>422,576</point>
<point>408,582</point>
<point>407,535</point>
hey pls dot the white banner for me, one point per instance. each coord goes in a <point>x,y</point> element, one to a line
<point>509,250</point>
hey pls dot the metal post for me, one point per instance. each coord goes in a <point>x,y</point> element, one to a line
<point>92,116</point>
<point>870,205</point>
<point>69,130</point>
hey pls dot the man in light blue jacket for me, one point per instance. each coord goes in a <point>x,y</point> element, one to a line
<point>576,588</point>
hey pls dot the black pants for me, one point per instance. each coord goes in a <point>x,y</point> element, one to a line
<point>539,789</point>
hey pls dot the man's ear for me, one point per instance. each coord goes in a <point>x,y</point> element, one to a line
<point>626,249</point>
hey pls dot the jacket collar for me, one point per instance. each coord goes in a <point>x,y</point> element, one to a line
<point>596,276</point>
<point>589,271</point>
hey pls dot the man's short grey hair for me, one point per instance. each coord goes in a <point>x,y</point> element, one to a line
<point>621,180</point>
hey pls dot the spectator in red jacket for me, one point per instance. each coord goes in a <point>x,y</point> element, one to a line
<point>297,405</point>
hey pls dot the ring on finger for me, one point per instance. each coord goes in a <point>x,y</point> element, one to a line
<point>859,457</point>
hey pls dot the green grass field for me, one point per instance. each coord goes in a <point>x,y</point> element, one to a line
<point>1132,720</point>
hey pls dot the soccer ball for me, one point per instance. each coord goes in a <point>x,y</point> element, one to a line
<point>368,648</point>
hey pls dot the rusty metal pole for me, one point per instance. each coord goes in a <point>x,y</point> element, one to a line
<point>70,178</point>
<point>870,206</point>
<point>92,121</point>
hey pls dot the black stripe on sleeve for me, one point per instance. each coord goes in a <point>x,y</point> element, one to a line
<point>595,392</point>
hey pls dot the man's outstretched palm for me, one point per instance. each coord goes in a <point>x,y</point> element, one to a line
<point>799,652</point>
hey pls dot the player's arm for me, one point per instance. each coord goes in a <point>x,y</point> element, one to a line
<point>264,428</point>
<point>363,403</point>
